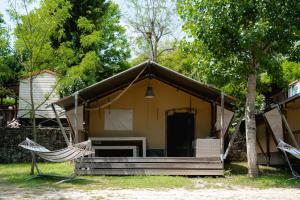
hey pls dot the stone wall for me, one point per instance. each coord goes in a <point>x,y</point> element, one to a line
<point>238,151</point>
<point>51,138</point>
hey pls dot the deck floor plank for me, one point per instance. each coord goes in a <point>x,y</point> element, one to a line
<point>151,165</point>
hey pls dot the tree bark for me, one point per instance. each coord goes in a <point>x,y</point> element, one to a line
<point>33,122</point>
<point>251,125</point>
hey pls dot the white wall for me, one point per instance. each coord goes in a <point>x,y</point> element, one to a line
<point>43,85</point>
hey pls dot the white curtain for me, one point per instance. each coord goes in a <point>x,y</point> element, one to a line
<point>118,119</point>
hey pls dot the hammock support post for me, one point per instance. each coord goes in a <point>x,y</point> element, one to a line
<point>60,125</point>
<point>222,127</point>
<point>75,118</point>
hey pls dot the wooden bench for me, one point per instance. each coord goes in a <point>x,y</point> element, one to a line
<point>135,150</point>
<point>141,139</point>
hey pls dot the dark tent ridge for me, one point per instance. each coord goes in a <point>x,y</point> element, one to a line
<point>156,71</point>
<point>290,99</point>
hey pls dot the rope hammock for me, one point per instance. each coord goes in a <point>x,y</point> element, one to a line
<point>286,148</point>
<point>72,152</point>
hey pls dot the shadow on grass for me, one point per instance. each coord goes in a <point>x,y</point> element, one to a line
<point>236,174</point>
<point>236,168</point>
<point>22,180</point>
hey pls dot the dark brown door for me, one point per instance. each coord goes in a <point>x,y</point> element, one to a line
<point>180,134</point>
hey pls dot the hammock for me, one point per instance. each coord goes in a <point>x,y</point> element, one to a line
<point>286,148</point>
<point>72,152</point>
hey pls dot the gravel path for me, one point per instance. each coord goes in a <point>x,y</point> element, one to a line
<point>150,194</point>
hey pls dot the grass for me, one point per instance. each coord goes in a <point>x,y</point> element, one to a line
<point>16,174</point>
<point>270,177</point>
<point>235,176</point>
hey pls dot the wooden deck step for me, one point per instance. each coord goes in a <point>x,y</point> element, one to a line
<point>159,172</point>
<point>149,166</point>
<point>152,159</point>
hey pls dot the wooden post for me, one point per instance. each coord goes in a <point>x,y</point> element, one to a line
<point>222,124</point>
<point>60,125</point>
<point>85,121</point>
<point>213,119</point>
<point>288,128</point>
<point>75,118</point>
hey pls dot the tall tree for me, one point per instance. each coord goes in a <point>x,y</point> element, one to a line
<point>33,30</point>
<point>153,21</point>
<point>240,40</point>
<point>92,44</point>
<point>7,65</point>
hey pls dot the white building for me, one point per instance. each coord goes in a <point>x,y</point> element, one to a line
<point>294,88</point>
<point>44,94</point>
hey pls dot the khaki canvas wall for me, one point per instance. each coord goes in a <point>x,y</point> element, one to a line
<point>71,117</point>
<point>293,114</point>
<point>228,115</point>
<point>261,131</point>
<point>149,114</point>
<point>274,120</point>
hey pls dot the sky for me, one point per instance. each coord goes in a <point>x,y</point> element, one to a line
<point>3,8</point>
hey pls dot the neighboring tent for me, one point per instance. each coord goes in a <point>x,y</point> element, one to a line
<point>44,94</point>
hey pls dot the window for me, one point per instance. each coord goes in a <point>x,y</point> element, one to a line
<point>293,90</point>
<point>118,119</point>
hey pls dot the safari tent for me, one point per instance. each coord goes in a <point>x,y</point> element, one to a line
<point>279,122</point>
<point>150,120</point>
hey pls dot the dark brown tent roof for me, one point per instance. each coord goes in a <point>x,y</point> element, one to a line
<point>123,79</point>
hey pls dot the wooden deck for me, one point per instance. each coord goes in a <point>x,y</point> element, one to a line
<point>189,166</point>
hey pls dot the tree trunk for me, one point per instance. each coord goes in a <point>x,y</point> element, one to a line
<point>251,125</point>
<point>33,122</point>
<point>155,49</point>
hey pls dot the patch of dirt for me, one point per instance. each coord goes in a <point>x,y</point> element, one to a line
<point>8,192</point>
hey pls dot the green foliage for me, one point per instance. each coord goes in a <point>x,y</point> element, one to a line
<point>240,37</point>
<point>91,44</point>
<point>184,60</point>
<point>294,54</point>
<point>6,92</point>
<point>180,58</point>
<point>291,70</point>
<point>33,33</point>
<point>9,101</point>
<point>7,63</point>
